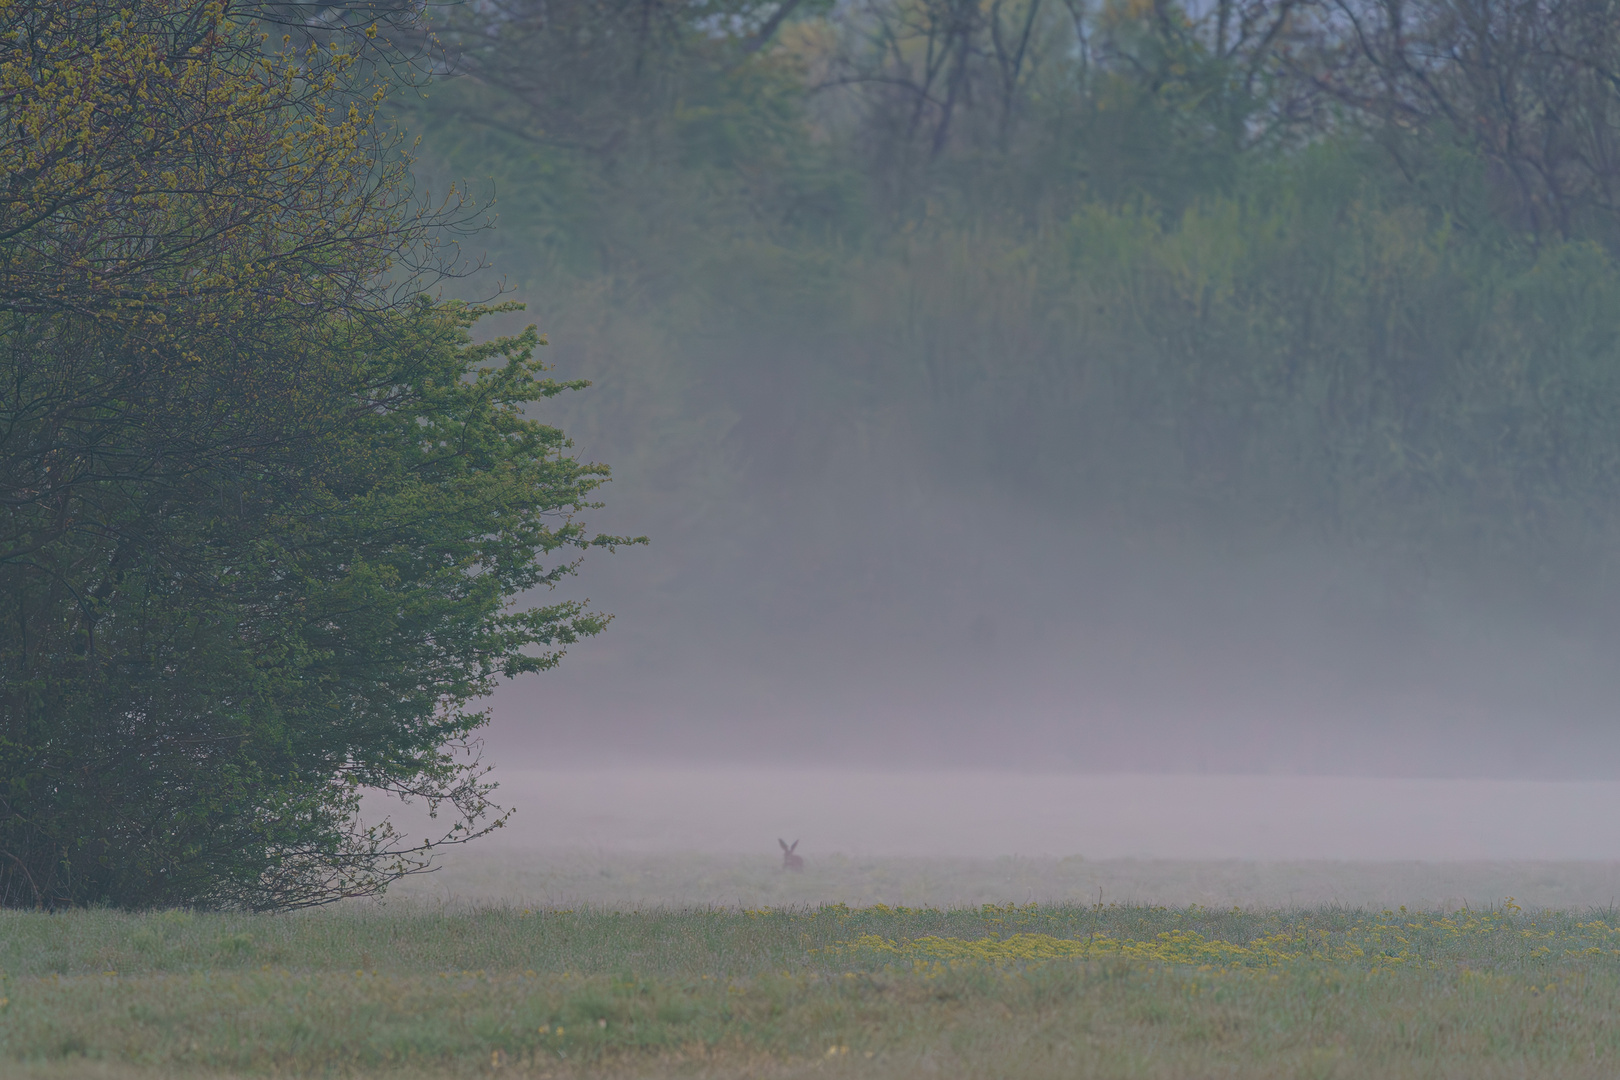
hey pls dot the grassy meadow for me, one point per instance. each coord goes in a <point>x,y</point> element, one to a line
<point>414,987</point>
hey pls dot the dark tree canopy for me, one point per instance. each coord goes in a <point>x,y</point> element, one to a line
<point>264,517</point>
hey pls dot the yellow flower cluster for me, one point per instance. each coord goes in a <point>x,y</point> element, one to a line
<point>1173,947</point>
<point>1394,939</point>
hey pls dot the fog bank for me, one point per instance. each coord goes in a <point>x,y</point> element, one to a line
<point>984,814</point>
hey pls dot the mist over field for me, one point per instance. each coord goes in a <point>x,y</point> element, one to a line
<point>979,815</point>
<point>1000,637</point>
<point>1176,390</point>
<point>638,837</point>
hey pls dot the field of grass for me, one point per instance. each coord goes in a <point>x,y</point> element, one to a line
<point>413,989</point>
<point>581,878</point>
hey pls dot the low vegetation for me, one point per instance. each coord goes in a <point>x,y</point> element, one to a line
<point>1105,990</point>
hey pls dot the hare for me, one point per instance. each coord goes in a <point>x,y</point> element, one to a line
<point>791,861</point>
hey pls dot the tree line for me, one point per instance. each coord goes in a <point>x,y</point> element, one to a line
<point>1341,269</point>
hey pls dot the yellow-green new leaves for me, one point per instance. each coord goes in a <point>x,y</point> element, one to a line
<point>159,164</point>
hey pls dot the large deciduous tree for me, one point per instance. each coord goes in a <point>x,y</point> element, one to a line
<point>264,513</point>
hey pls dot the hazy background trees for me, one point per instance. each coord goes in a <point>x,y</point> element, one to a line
<point>1120,364</point>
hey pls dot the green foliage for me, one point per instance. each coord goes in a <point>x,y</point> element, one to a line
<point>263,522</point>
<point>204,670</point>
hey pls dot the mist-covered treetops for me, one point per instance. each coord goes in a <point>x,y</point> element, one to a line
<point>1336,270</point>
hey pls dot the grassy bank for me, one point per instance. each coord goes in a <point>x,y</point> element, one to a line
<point>994,991</point>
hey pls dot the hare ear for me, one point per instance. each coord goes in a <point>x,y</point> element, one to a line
<point>779,840</point>
<point>794,847</point>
